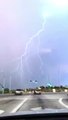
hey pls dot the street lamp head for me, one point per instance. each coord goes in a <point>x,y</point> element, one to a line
<point>35,81</point>
<point>30,80</point>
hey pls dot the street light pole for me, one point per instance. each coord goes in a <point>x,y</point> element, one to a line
<point>3,84</point>
<point>2,88</point>
<point>10,85</point>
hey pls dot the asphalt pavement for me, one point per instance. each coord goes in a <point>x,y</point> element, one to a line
<point>12,104</point>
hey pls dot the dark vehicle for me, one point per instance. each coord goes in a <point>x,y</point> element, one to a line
<point>18,92</point>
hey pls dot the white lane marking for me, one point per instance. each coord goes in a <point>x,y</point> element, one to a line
<point>11,99</point>
<point>60,101</point>
<point>37,108</point>
<point>18,106</point>
<point>1,111</point>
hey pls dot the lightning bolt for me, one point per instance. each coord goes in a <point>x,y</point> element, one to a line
<point>27,45</point>
<point>24,55</point>
<point>41,62</point>
<point>32,38</point>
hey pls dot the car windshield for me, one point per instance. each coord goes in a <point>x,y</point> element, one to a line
<point>33,55</point>
<point>18,90</point>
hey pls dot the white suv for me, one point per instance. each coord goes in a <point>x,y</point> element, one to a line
<point>18,92</point>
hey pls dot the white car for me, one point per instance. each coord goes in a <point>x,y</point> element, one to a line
<point>18,92</point>
<point>37,92</point>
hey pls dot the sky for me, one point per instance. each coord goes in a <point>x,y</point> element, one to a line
<point>33,43</point>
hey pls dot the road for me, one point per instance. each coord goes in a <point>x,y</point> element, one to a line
<point>12,104</point>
